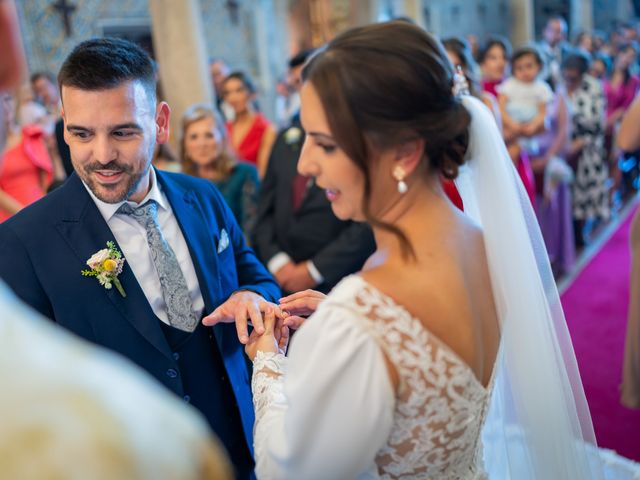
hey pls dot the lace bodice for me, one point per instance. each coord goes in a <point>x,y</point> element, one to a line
<point>440,404</point>
<point>437,411</point>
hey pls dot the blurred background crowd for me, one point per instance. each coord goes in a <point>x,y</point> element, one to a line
<point>561,78</point>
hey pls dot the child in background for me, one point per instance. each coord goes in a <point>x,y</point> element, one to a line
<point>523,100</point>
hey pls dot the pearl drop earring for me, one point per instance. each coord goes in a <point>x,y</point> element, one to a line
<point>399,174</point>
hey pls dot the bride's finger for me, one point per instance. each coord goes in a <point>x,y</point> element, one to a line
<point>276,309</point>
<point>301,306</point>
<point>302,293</point>
<point>283,341</point>
<point>294,322</point>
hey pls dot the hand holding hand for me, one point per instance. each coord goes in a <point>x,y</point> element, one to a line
<point>298,304</point>
<point>238,308</point>
<point>274,339</point>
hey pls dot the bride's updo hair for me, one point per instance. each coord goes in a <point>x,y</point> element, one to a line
<point>384,84</point>
<point>387,83</point>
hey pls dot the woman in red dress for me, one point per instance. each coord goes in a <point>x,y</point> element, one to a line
<point>251,134</point>
<point>25,166</point>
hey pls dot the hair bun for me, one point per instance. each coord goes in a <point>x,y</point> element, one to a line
<point>451,139</point>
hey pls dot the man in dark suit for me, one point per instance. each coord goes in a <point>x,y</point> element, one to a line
<point>184,253</point>
<point>296,235</point>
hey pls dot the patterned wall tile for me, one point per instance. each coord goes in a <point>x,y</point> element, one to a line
<point>46,44</point>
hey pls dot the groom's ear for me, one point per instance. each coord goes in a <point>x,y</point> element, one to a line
<point>409,155</point>
<point>162,122</point>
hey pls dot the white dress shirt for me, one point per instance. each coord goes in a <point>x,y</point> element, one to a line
<point>132,238</point>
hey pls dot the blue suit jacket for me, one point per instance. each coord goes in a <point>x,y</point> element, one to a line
<point>44,247</point>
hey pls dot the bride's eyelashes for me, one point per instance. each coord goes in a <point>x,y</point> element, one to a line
<point>329,149</point>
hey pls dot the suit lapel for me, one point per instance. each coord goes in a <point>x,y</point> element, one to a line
<point>86,232</point>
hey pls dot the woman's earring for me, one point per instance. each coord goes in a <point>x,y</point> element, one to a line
<point>399,174</point>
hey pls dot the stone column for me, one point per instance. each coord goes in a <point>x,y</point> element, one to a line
<point>363,12</point>
<point>182,57</point>
<point>581,16</point>
<point>522,30</point>
<point>411,9</point>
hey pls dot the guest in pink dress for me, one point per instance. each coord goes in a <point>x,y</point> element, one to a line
<point>25,167</point>
<point>251,134</point>
<point>621,89</point>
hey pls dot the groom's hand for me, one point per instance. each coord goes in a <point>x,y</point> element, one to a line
<point>241,307</point>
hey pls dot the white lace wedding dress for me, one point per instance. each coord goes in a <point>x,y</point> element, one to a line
<point>334,415</point>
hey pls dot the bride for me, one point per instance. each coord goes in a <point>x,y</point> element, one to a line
<point>450,347</point>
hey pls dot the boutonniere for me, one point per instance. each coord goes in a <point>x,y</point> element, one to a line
<point>106,265</point>
<point>292,136</point>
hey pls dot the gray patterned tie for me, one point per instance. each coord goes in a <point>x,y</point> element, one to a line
<point>172,281</point>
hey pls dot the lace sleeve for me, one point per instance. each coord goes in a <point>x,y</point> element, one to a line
<point>330,409</point>
<point>266,384</point>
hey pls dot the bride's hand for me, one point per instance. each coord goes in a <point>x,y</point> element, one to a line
<point>299,305</point>
<point>275,337</point>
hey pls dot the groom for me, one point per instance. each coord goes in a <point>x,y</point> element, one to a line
<point>184,255</point>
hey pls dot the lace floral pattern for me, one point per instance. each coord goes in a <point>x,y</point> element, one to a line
<point>440,405</point>
<point>266,392</point>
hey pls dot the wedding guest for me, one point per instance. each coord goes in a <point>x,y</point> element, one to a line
<point>629,135</point>
<point>493,59</point>
<point>552,48</point>
<point>219,70</point>
<point>553,178</point>
<point>297,236</point>
<point>30,112</point>
<point>288,99</point>
<point>26,169</point>
<point>205,153</point>
<point>459,54</point>
<point>600,67</point>
<point>391,376</point>
<point>628,141</point>
<point>251,134</point>
<point>46,89</point>
<point>586,152</point>
<point>523,100</point>
<point>584,42</point>
<point>621,88</point>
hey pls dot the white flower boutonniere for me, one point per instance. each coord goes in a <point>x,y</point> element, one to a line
<point>106,265</point>
<point>292,136</point>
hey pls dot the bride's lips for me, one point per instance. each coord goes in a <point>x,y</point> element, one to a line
<point>332,195</point>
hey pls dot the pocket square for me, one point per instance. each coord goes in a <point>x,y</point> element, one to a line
<point>223,243</point>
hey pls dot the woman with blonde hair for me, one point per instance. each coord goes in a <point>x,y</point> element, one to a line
<point>205,153</point>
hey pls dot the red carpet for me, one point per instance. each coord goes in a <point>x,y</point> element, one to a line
<point>595,306</point>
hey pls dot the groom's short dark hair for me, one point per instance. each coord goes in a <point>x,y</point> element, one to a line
<point>104,63</point>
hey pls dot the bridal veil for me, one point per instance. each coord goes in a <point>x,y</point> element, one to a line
<point>538,426</point>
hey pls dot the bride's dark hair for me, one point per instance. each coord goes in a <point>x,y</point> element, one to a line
<point>382,85</point>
